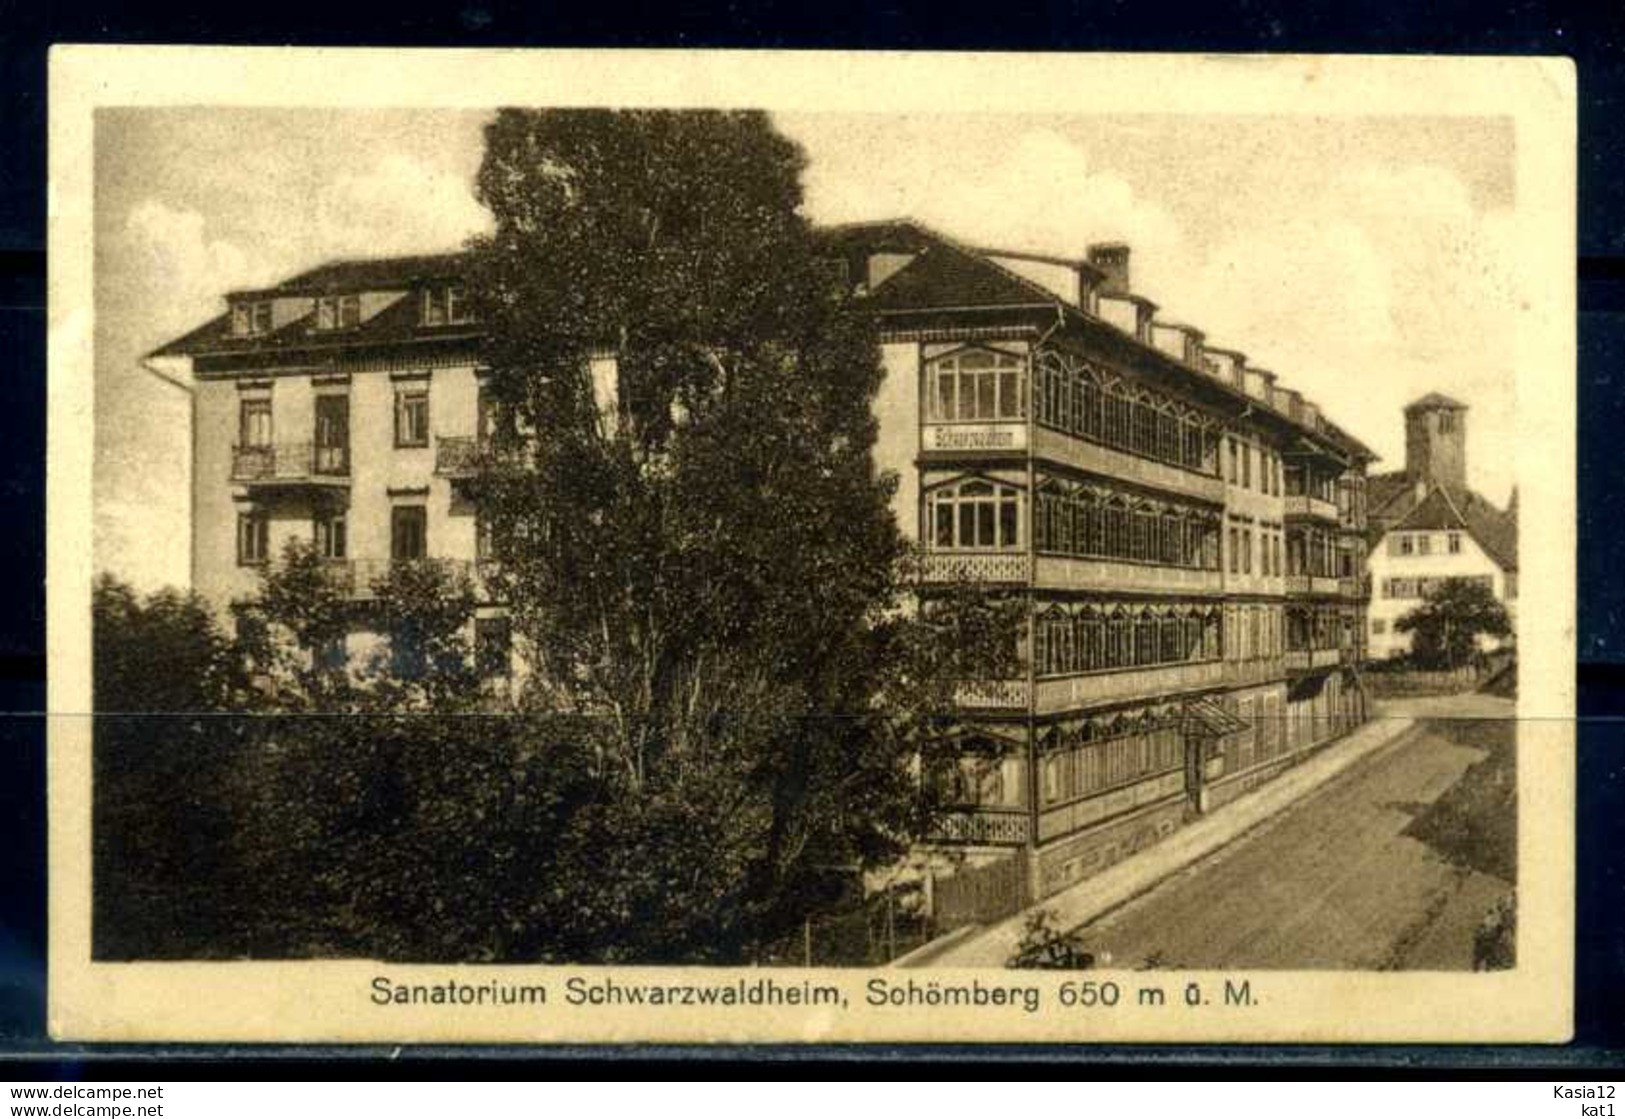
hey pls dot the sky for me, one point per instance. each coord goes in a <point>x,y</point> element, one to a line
<point>1364,260</point>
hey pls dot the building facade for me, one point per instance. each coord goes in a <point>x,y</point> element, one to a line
<point>1185,533</point>
<point>1428,525</point>
<point>343,408</point>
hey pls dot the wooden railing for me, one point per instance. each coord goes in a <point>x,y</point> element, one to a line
<point>1066,693</point>
<point>290,462</point>
<point>1302,505</point>
<point>1069,572</point>
<point>992,694</point>
<point>982,825</point>
<point>974,567</point>
<point>1238,673</point>
<point>1311,584</point>
<point>1304,660</point>
<point>361,579</point>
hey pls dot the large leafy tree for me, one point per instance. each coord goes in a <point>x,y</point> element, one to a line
<point>693,537</point>
<point>1446,627</point>
<point>163,674</point>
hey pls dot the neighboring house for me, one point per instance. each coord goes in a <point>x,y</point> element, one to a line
<point>342,407</point>
<point>1427,525</point>
<point>1186,532</point>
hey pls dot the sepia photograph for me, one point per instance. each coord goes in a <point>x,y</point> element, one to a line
<point>931,547</point>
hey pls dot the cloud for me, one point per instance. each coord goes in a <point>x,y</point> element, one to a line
<point>1030,189</point>
<point>398,205</point>
<point>171,251</point>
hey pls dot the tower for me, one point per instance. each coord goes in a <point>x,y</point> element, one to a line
<point>1436,441</point>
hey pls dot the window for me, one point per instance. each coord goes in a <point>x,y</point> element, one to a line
<point>1247,465</point>
<point>493,647</point>
<point>484,549</point>
<point>331,532</point>
<point>973,514</point>
<point>412,417</point>
<point>445,305</point>
<point>976,385</point>
<point>1235,551</point>
<point>253,317</point>
<point>408,532</point>
<point>332,655</point>
<point>332,433</point>
<point>1247,551</point>
<point>1455,543</point>
<point>1405,545</point>
<point>1424,543</point>
<point>254,423</point>
<point>336,312</point>
<point>1447,422</point>
<point>253,539</point>
<point>1379,626</point>
<point>1235,462</point>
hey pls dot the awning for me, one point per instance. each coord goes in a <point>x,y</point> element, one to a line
<point>1203,716</point>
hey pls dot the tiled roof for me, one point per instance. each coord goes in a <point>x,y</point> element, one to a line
<point>398,322</point>
<point>942,276</point>
<point>1446,508</point>
<point>395,273</point>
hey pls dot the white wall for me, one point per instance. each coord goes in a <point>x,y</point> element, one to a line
<point>1437,564</point>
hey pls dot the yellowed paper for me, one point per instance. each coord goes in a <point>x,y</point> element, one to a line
<point>1372,232</point>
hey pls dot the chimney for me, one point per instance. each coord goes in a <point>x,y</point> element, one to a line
<point>1111,257</point>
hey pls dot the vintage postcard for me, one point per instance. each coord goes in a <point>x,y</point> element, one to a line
<point>796,547</point>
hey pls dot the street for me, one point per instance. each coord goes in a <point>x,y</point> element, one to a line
<point>1334,881</point>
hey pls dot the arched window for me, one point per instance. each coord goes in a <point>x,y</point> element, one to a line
<point>976,384</point>
<point>975,513</point>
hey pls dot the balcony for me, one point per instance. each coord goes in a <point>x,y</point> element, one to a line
<point>1312,660</point>
<point>1239,674</point>
<point>1302,505</point>
<point>1325,585</point>
<point>1069,693</point>
<point>992,695</point>
<point>1072,451</point>
<point>1357,587</point>
<point>1070,573</point>
<point>974,567</point>
<point>291,464</point>
<point>466,456</point>
<point>982,825</point>
<point>359,580</point>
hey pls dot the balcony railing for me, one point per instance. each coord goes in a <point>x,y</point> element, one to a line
<point>463,456</point>
<point>982,825</point>
<point>361,579</point>
<point>1240,673</point>
<point>974,567</point>
<point>1073,573</point>
<point>1001,695</point>
<point>1302,505</point>
<point>1105,461</point>
<point>1066,693</point>
<point>291,464</point>
<point>1312,584</point>
<point>1354,586</point>
<point>1307,660</point>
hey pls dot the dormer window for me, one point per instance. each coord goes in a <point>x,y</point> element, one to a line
<point>444,305</point>
<point>251,317</point>
<point>338,312</point>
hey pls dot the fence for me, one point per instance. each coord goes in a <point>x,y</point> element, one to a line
<point>979,894</point>
<point>1383,682</point>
